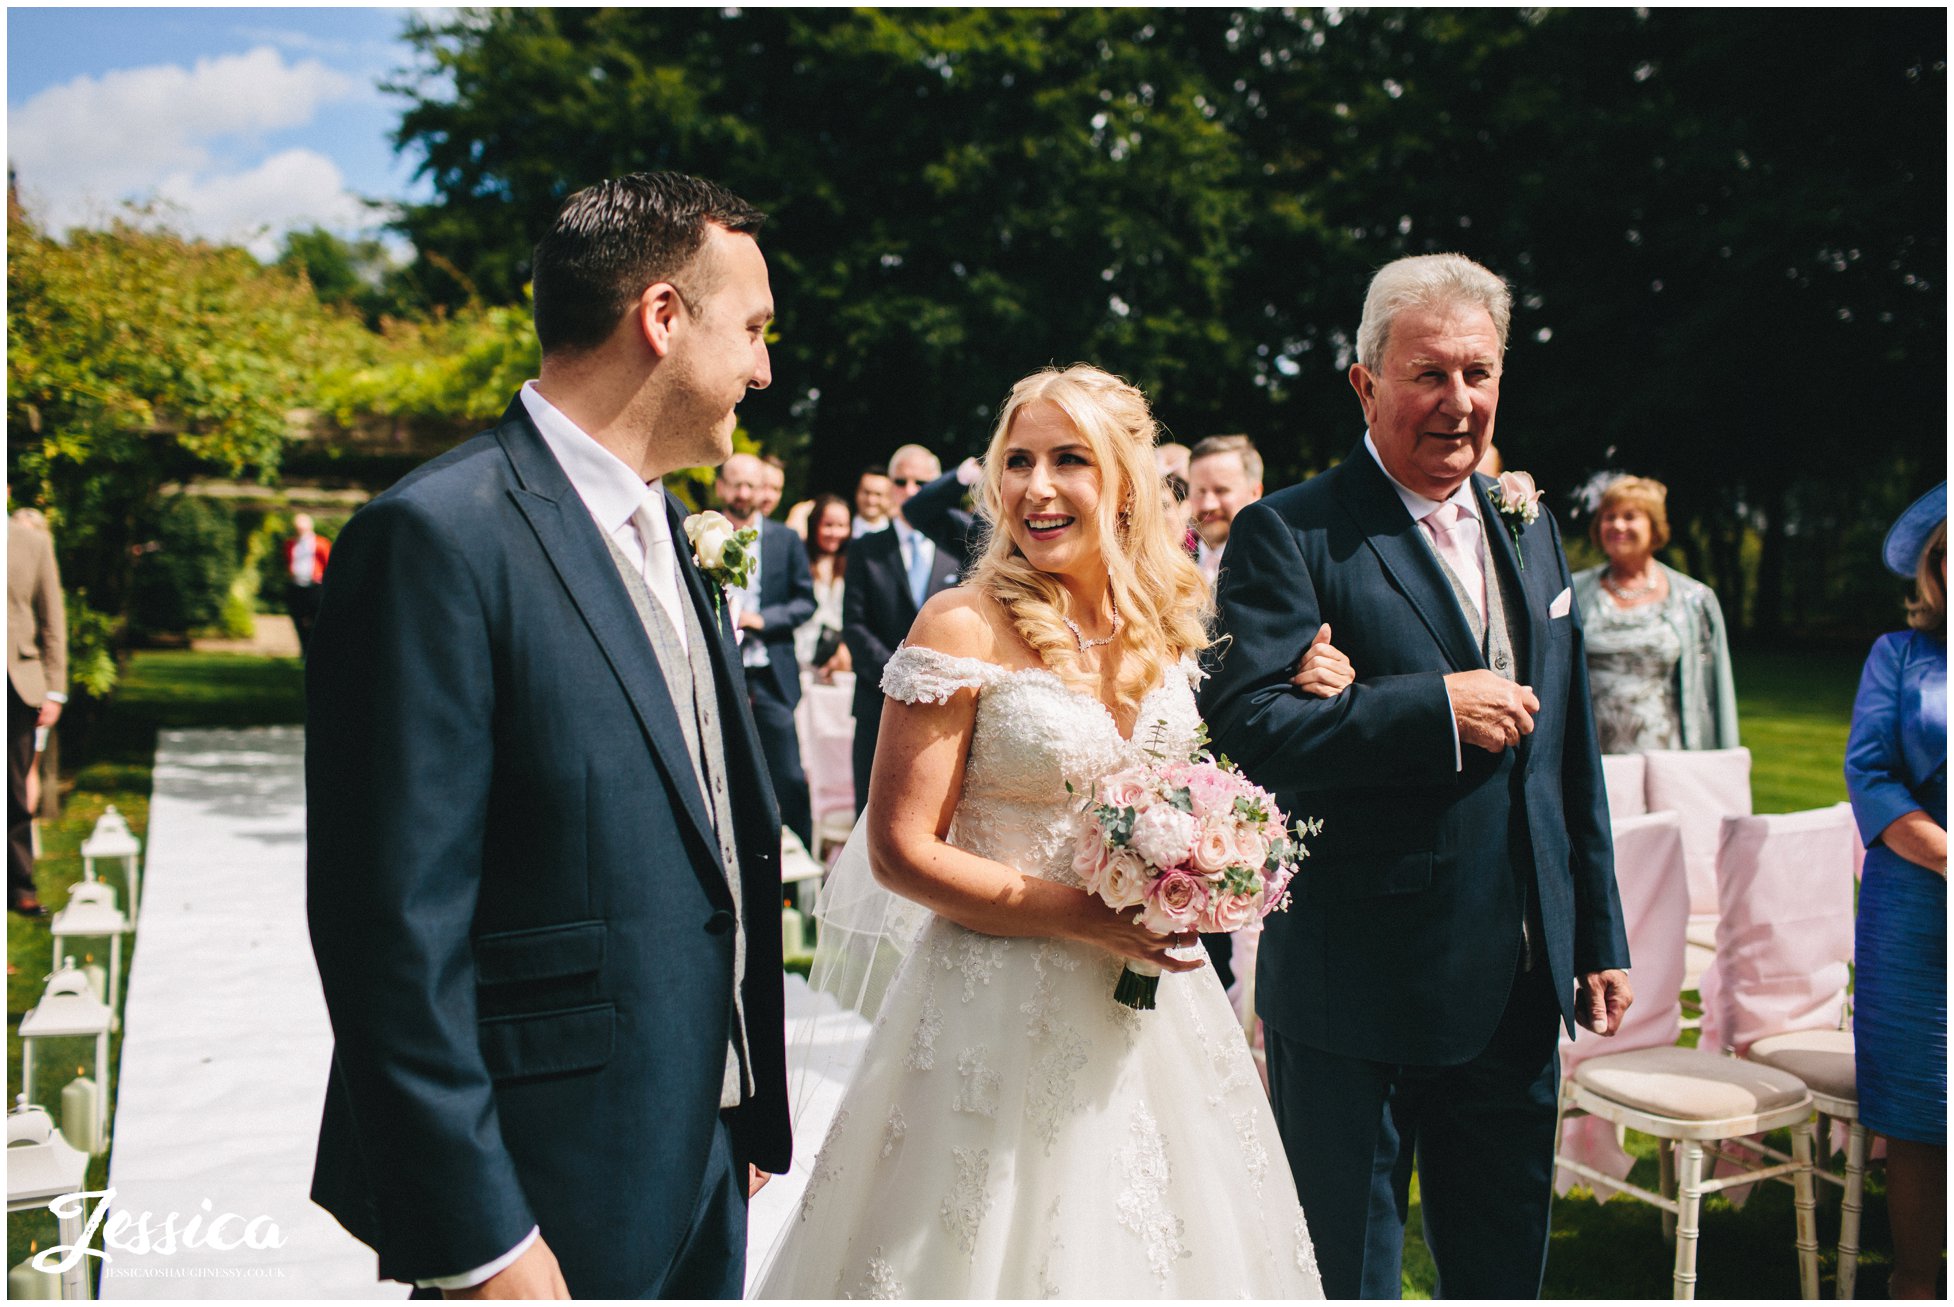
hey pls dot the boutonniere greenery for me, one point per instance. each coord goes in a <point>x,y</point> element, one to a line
<point>1518,502</point>
<point>725,555</point>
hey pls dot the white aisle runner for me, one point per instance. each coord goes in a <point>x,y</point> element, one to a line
<point>226,1042</point>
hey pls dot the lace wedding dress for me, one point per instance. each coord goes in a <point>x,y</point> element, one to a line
<point>1012,1132</point>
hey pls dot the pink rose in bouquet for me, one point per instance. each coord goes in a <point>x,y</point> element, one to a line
<point>1192,845</point>
<point>1175,902</point>
<point>1233,911</point>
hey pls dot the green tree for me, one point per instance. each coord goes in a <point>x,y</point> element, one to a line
<point>957,196</point>
<point>136,358</point>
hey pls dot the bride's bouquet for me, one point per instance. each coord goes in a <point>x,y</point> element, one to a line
<point>1192,845</point>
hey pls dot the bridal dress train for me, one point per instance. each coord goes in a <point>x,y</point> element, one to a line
<point>1011,1131</point>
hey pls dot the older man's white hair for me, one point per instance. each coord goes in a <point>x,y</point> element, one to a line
<point>1428,281</point>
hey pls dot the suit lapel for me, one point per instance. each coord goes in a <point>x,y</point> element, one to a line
<point>728,675</point>
<point>1527,617</point>
<point>1373,503</point>
<point>576,550</point>
<point>943,572</point>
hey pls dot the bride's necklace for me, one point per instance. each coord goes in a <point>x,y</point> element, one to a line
<point>1080,636</point>
<point>1642,591</point>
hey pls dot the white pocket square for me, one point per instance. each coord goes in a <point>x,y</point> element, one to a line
<point>1562,602</point>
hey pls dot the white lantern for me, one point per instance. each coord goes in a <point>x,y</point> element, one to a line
<point>67,1010</point>
<point>41,1166</point>
<point>112,841</point>
<point>91,914</point>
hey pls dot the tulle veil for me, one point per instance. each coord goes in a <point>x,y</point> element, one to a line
<point>863,934</point>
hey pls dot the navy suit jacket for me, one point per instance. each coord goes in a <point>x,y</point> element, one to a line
<point>937,511</point>
<point>1401,942</point>
<point>877,611</point>
<point>516,898</point>
<point>786,602</point>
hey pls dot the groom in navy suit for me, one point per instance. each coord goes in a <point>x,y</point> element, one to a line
<point>1459,906</point>
<point>543,855</point>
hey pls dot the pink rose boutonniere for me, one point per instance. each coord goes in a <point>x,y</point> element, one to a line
<point>1518,501</point>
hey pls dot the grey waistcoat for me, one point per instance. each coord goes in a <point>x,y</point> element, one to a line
<point>688,676</point>
<point>1495,636</point>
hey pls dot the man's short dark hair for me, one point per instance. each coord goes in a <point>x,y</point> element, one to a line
<point>872,470</point>
<point>1242,445</point>
<point>611,240</point>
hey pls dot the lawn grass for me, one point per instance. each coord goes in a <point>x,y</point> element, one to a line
<point>113,765</point>
<point>1793,707</point>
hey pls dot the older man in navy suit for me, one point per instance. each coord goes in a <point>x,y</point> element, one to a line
<point>1460,903</point>
<point>778,597</point>
<point>543,855</point>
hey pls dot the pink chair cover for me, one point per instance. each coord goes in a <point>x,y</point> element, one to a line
<point>1651,874</point>
<point>1784,941</point>
<point>825,721</point>
<point>1624,775</point>
<point>1703,786</point>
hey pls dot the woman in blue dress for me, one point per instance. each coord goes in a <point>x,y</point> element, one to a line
<point>1896,771</point>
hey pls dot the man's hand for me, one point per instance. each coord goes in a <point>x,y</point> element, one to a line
<point>756,1179</point>
<point>533,1275</point>
<point>1602,1000</point>
<point>1492,712</point>
<point>50,713</point>
<point>750,620</point>
<point>1324,670</point>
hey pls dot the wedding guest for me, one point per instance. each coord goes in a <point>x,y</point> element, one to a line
<point>1224,476</point>
<point>1658,659</point>
<point>1171,457</point>
<point>37,680</point>
<point>872,491</point>
<point>890,574</point>
<point>305,557</point>
<point>1896,772</point>
<point>777,598</point>
<point>773,483</point>
<point>818,646</point>
<point>936,509</point>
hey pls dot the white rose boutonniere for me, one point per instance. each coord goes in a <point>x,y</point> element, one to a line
<point>1518,501</point>
<point>725,555</point>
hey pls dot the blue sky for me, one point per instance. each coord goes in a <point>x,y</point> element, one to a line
<point>242,122</point>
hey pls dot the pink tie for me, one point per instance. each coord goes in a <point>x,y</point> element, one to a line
<point>1455,534</point>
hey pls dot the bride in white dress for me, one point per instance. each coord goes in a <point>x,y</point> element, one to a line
<point>1012,1132</point>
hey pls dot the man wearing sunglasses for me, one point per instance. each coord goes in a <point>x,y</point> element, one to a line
<point>890,574</point>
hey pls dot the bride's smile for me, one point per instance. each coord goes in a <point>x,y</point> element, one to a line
<point>1050,489</point>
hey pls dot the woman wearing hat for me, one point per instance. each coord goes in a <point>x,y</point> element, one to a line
<point>1896,771</point>
<point>1658,659</point>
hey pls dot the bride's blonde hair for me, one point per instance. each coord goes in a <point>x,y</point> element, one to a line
<point>1163,600</point>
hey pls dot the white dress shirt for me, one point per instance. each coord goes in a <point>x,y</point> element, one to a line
<point>303,549</point>
<point>610,490</point>
<point>1420,508</point>
<point>909,540</point>
<point>1208,559</point>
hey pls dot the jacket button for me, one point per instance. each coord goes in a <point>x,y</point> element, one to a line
<point>719,923</point>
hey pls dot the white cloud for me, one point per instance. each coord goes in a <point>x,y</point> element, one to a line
<point>293,188</point>
<point>140,133</point>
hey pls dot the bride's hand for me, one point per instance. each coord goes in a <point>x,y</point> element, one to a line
<point>1324,670</point>
<point>1119,934</point>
